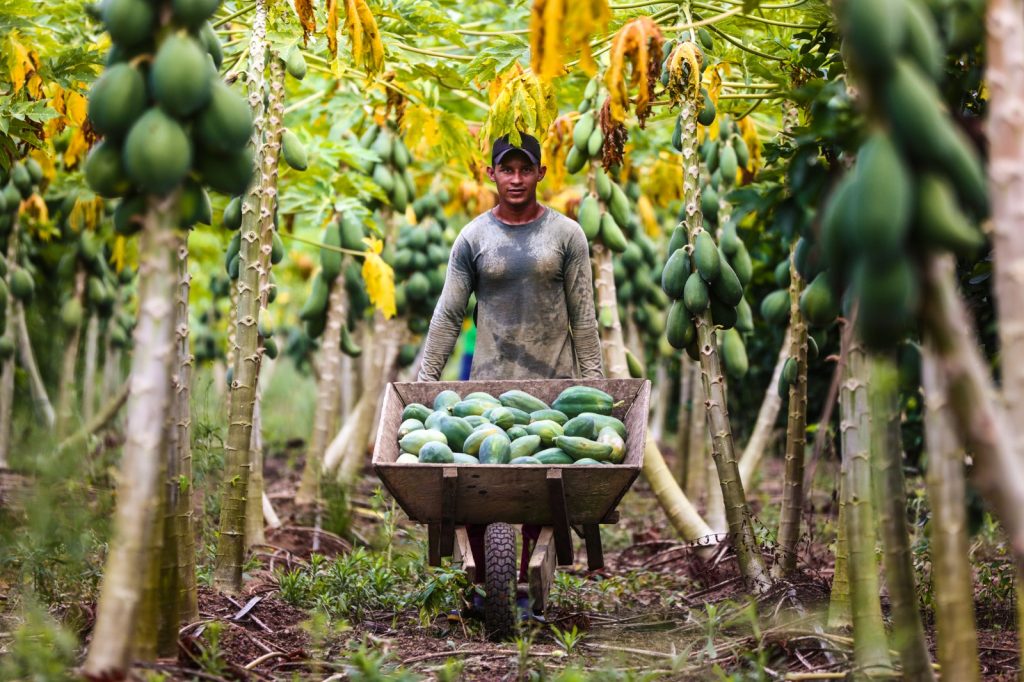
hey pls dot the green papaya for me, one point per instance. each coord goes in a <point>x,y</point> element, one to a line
<point>548,415</point>
<point>922,41</point>
<point>939,220</point>
<point>889,295</point>
<point>157,153</point>
<point>575,160</point>
<point>788,377</point>
<point>726,287</point>
<point>817,302</point>
<point>807,258</point>
<point>495,449</point>
<point>330,260</point>
<point>445,401</point>
<point>678,239</point>
<point>194,205</point>
<point>875,30</point>
<point>636,368</point>
<point>775,306</point>
<point>524,446</point>
<point>580,448</point>
<point>679,329</point>
<point>104,171</point>
<point>316,303</point>
<point>722,315</point>
<point>295,63</point>
<point>179,76</point>
<point>463,458</point>
<point>582,130</point>
<point>277,250</point>
<point>677,134</point>
<point>695,294</point>
<point>675,274</point>
<point>455,429</point>
<point>576,399</point>
<point>742,265</point>
<point>71,313</point>
<point>611,234</point>
<point>129,22</point>
<point>603,184</point>
<point>553,456</point>
<point>728,164</point>
<point>709,203</point>
<point>383,177</point>
<point>882,197</point>
<point>618,206</point>
<point>595,142</point>
<point>707,112</point>
<point>416,411</point>
<point>434,452</point>
<point>744,317</point>
<point>117,99</point>
<point>193,13</point>
<point>293,151</point>
<point>211,43</point>
<point>739,145</point>
<point>352,233</point>
<point>227,173</point>
<point>522,400</point>
<point>225,123</point>
<point>706,257</point>
<point>21,284</point>
<point>589,215</point>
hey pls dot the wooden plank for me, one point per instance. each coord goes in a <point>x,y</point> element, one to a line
<point>560,517</point>
<point>542,569</point>
<point>449,481</point>
<point>434,544</point>
<point>595,554</point>
<point>464,553</point>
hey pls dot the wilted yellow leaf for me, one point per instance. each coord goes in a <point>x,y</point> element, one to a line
<point>307,19</point>
<point>379,278</point>
<point>524,104</point>
<point>648,218</point>
<point>23,65</point>
<point>86,214</point>
<point>77,108</point>
<point>34,209</point>
<point>78,147</point>
<point>638,43</point>
<point>559,28</point>
<point>556,146</point>
<point>684,69</point>
<point>332,27</point>
<point>118,254</point>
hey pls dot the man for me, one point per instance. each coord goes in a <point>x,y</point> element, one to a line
<point>530,269</point>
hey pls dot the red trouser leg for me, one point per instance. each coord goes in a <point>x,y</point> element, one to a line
<point>530,535</point>
<point>476,531</point>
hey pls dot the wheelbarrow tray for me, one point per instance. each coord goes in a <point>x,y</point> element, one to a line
<point>487,493</point>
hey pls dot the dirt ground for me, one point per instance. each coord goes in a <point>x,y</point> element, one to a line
<point>674,607</point>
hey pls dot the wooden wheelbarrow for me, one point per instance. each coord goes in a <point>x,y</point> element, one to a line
<point>560,498</point>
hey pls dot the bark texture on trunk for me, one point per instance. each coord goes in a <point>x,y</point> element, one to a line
<point>796,436</point>
<point>840,612</point>
<point>40,399</point>
<point>237,467</point>
<point>889,489</point>
<point>328,387</point>
<point>7,373</point>
<point>680,511</point>
<point>69,363</point>
<point>686,385</point>
<point>980,423</point>
<point>741,525</point>
<point>952,574</point>
<point>870,650</point>
<point>610,327</point>
<point>761,436</point>
<point>135,518</point>
<point>92,343</point>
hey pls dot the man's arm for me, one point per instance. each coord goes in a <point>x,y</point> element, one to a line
<point>449,312</point>
<point>579,296</point>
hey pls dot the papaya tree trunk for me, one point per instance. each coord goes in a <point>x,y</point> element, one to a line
<point>328,385</point>
<point>1004,73</point>
<point>686,384</point>
<point>92,344</point>
<point>796,436</point>
<point>43,406</point>
<point>889,490</point>
<point>111,363</point>
<point>764,427</point>
<point>255,533</point>
<point>389,336</point>
<point>680,511</point>
<point>740,521</point>
<point>612,344</point>
<point>714,502</point>
<point>68,378</point>
<point>697,449</point>
<point>135,518</point>
<point>870,649</point>
<point>664,384</point>
<point>7,373</point>
<point>952,574</point>
<point>979,422</point>
<point>184,526</point>
<point>840,612</point>
<point>231,541</point>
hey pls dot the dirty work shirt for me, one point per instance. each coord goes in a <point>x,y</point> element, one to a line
<point>534,301</point>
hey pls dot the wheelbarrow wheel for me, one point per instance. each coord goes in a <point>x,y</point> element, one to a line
<point>500,583</point>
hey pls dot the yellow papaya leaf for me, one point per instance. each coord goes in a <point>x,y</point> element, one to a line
<point>648,218</point>
<point>332,27</point>
<point>307,19</point>
<point>684,68</point>
<point>119,255</point>
<point>77,108</point>
<point>45,162</point>
<point>77,149</point>
<point>714,88</point>
<point>561,28</point>
<point>555,147</point>
<point>638,45</point>
<point>23,66</point>
<point>748,131</point>
<point>429,131</point>
<point>86,214</point>
<point>525,104</point>
<point>34,209</point>
<point>363,34</point>
<point>379,278</point>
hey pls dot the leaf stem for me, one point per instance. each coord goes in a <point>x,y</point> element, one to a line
<point>763,20</point>
<point>244,10</point>
<point>752,86</point>
<point>737,95</point>
<point>431,53</point>
<point>746,48</point>
<point>338,249</point>
<point>517,32</point>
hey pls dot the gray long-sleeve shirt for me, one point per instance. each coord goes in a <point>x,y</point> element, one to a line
<point>534,301</point>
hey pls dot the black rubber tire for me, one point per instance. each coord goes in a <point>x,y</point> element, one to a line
<point>500,615</point>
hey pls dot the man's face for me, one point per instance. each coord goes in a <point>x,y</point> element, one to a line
<point>516,177</point>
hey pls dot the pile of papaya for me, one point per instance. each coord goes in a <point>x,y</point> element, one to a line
<point>513,428</point>
<point>390,170</point>
<point>168,120</point>
<point>918,183</point>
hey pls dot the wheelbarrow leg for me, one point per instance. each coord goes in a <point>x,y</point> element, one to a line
<point>542,569</point>
<point>560,517</point>
<point>595,554</point>
<point>464,553</point>
<point>441,536</point>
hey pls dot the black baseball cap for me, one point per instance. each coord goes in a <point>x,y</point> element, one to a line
<point>529,146</point>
